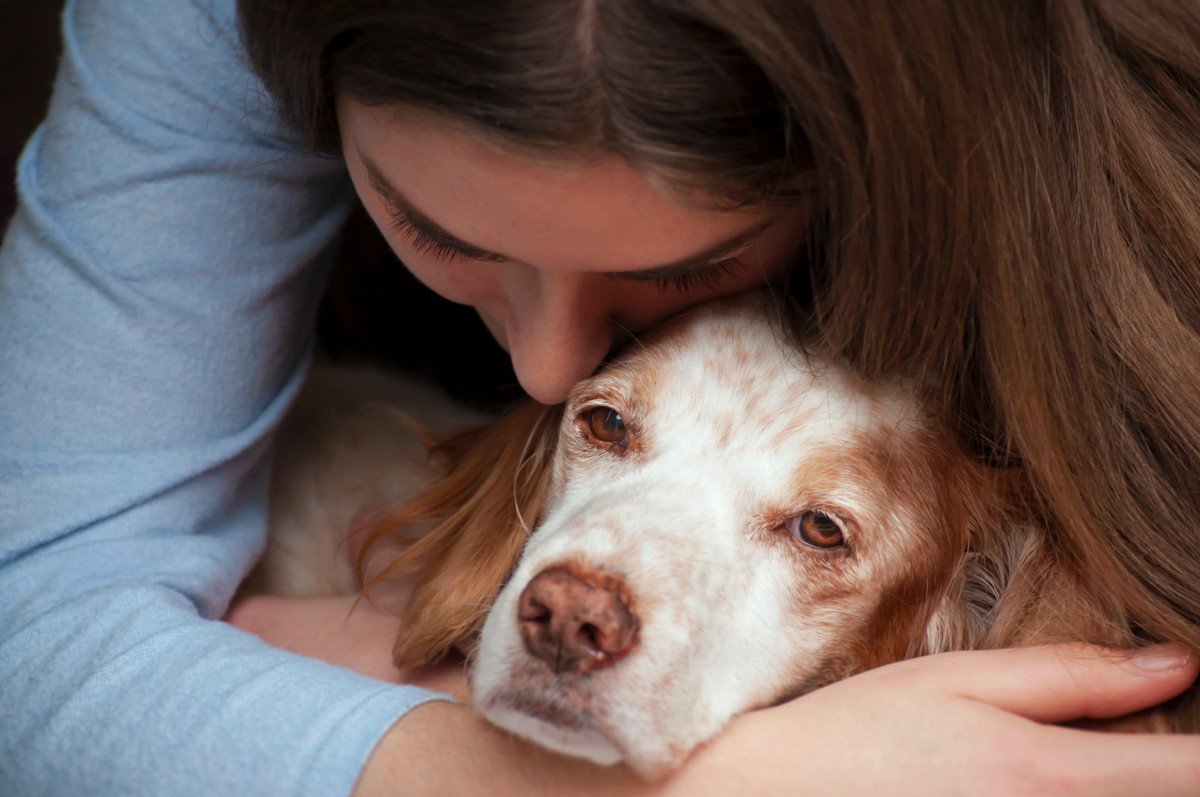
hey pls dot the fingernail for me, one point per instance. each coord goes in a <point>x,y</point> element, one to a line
<point>1162,657</point>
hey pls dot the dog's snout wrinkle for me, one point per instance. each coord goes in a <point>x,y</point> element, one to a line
<point>576,619</point>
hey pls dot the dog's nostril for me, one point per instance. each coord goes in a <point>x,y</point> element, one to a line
<point>590,636</point>
<point>575,619</point>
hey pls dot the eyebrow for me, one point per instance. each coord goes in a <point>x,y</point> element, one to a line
<point>403,210</point>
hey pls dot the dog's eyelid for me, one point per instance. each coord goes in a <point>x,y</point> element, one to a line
<point>591,403</point>
<point>789,523</point>
<point>601,392</point>
<point>585,422</point>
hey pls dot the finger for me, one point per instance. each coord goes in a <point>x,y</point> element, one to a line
<point>1056,683</point>
<point>1111,764</point>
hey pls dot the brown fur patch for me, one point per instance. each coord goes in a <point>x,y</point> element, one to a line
<point>491,495</point>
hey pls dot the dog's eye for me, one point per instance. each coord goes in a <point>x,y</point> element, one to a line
<point>606,425</point>
<point>817,529</point>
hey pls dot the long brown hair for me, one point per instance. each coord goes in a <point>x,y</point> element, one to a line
<point>1007,193</point>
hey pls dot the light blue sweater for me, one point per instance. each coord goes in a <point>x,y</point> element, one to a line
<point>157,291</point>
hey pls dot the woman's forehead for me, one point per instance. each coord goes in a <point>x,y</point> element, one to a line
<point>596,213</point>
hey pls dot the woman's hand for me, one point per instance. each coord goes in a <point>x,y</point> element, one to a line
<point>974,723</point>
<point>337,631</point>
<point>966,723</point>
<point>981,722</point>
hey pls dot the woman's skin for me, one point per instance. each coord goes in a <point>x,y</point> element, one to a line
<point>956,723</point>
<point>577,239</point>
<point>564,262</point>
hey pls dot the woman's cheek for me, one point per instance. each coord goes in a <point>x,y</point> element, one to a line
<point>463,283</point>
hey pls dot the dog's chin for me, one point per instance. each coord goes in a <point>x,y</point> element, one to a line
<point>573,738</point>
<point>563,731</point>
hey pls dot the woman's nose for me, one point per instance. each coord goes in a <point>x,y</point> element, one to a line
<point>563,331</point>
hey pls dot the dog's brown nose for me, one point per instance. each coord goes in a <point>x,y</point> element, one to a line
<point>576,620</point>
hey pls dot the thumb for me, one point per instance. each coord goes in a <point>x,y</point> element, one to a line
<point>1057,683</point>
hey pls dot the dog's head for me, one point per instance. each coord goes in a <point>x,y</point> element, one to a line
<point>728,524</point>
<point>723,523</point>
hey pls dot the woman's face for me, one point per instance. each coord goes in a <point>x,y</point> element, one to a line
<point>564,263</point>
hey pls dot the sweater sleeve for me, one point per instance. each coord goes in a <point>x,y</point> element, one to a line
<point>157,289</point>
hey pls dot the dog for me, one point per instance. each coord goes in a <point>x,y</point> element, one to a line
<point>717,521</point>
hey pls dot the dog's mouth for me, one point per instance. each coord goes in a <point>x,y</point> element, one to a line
<point>574,731</point>
<point>582,730</point>
<point>547,711</point>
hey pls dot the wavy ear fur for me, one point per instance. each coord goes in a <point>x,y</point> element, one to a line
<point>492,487</point>
<point>1013,586</point>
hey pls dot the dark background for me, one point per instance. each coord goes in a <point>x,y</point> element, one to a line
<point>374,309</point>
<point>28,56</point>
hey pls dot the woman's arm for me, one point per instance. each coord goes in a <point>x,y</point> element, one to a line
<point>960,723</point>
<point>952,724</point>
<point>344,631</point>
<point>157,291</point>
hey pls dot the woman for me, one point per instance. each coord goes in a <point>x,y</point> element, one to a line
<point>997,201</point>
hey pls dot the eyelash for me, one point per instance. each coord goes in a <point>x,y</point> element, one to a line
<point>426,244</point>
<point>709,277</point>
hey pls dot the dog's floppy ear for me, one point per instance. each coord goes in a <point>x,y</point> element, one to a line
<point>493,483</point>
<point>1003,561</point>
<point>1014,586</point>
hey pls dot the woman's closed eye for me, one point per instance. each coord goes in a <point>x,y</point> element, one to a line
<point>426,244</point>
<point>708,277</point>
